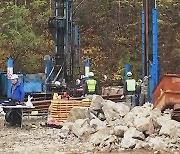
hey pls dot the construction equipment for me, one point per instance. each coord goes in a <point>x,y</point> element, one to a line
<point>150,59</point>
<point>65,51</point>
<point>167,92</point>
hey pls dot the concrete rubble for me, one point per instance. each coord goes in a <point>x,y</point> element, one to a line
<point>119,128</point>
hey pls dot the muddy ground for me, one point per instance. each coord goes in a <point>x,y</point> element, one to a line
<point>33,138</point>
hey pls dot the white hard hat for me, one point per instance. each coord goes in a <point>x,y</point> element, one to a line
<point>57,83</point>
<point>129,74</point>
<point>14,76</point>
<point>91,74</point>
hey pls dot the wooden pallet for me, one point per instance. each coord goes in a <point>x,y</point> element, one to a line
<point>59,109</point>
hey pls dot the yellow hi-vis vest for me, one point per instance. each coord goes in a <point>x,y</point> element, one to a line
<point>91,83</point>
<point>131,85</point>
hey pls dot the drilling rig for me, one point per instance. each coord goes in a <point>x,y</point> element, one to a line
<point>66,46</point>
<point>150,56</point>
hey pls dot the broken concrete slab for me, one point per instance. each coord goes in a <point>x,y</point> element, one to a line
<point>134,133</point>
<point>144,124</point>
<point>121,109</point>
<point>128,143</point>
<point>97,124</point>
<point>109,112</point>
<point>142,144</point>
<point>97,103</point>
<point>117,122</point>
<point>171,128</point>
<point>99,136</point>
<point>81,128</point>
<point>78,112</point>
<point>113,111</point>
<point>141,111</point>
<point>157,143</point>
<point>119,130</point>
<point>129,119</point>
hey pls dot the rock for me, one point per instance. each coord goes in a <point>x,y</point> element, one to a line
<point>144,124</point>
<point>128,143</point>
<point>133,133</point>
<point>97,102</point>
<point>129,119</point>
<point>170,128</point>
<point>162,120</point>
<point>157,143</point>
<point>109,112</point>
<point>113,111</point>
<point>97,124</point>
<point>117,122</point>
<point>99,136</point>
<point>101,116</point>
<point>67,127</point>
<point>141,111</point>
<point>121,108</point>
<point>142,144</point>
<point>81,128</point>
<point>78,113</point>
<point>154,114</point>
<point>112,90</point>
<point>97,114</point>
<point>107,141</point>
<point>119,130</point>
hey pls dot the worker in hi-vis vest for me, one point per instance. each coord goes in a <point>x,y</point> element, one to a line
<point>130,90</point>
<point>91,87</point>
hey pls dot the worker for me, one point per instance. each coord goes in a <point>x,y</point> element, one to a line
<point>138,91</point>
<point>14,116</point>
<point>130,90</point>
<point>144,91</point>
<point>91,86</point>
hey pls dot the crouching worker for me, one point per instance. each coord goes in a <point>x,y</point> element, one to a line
<point>14,116</point>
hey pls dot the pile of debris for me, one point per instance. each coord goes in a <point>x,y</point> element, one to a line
<point>109,126</point>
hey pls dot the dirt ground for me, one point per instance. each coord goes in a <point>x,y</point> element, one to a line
<point>44,140</point>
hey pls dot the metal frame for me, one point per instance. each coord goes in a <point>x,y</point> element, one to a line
<point>150,65</point>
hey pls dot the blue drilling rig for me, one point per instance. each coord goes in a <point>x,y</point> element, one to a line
<point>150,58</point>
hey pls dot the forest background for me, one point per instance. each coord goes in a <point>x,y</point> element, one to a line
<point>110,35</point>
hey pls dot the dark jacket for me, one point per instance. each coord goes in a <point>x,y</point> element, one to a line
<point>18,93</point>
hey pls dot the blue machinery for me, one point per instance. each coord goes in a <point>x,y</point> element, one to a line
<point>150,59</point>
<point>66,52</point>
<point>58,70</point>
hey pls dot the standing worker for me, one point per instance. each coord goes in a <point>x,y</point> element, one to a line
<point>91,86</point>
<point>13,116</point>
<point>144,98</point>
<point>130,90</point>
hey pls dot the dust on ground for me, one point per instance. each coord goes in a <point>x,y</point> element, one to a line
<point>37,139</point>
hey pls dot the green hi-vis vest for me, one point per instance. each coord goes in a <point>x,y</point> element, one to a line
<point>91,83</point>
<point>131,85</point>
